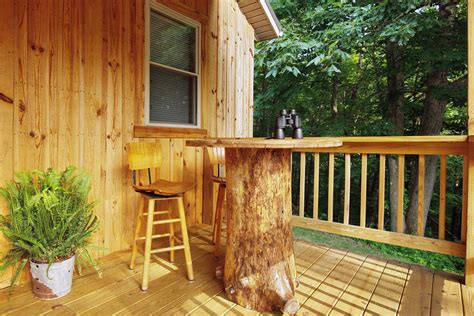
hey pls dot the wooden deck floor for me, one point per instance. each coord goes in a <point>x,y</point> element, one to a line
<point>331,282</point>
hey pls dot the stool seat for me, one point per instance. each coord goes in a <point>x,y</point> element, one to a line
<point>164,187</point>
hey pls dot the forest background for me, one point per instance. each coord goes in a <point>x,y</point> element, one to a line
<point>372,68</point>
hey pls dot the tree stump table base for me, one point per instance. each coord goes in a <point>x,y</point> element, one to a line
<point>259,271</point>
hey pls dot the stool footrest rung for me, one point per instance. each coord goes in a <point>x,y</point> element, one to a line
<point>167,221</point>
<point>155,236</point>
<point>167,249</point>
<point>157,213</point>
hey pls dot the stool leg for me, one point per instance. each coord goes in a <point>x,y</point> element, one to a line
<point>184,233</point>
<point>141,204</point>
<point>216,219</point>
<point>171,239</point>
<point>149,233</point>
<point>220,206</point>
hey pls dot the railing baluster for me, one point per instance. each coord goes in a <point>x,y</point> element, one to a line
<point>465,171</point>
<point>347,187</point>
<point>316,187</point>
<point>302,182</point>
<point>442,198</point>
<point>363,190</point>
<point>400,189</point>
<point>421,194</point>
<point>456,146</point>
<point>331,188</point>
<point>381,192</point>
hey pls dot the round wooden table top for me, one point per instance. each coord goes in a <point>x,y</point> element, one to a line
<point>289,143</point>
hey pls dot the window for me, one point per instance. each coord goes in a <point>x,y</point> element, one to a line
<point>173,71</point>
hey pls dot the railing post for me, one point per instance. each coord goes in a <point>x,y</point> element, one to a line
<point>469,266</point>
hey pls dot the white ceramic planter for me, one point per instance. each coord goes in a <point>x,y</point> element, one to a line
<point>56,282</point>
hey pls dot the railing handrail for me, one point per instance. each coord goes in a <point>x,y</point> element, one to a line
<point>407,145</point>
<point>397,139</point>
<point>411,139</point>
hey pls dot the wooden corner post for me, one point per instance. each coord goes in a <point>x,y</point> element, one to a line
<point>469,267</point>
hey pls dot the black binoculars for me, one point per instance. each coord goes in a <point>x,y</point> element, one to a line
<point>288,119</point>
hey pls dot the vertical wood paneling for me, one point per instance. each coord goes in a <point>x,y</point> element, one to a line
<point>230,81</point>
<point>131,69</point>
<point>231,87</point>
<point>199,165</point>
<point>22,112</point>
<point>238,74</point>
<point>74,72</point>
<point>6,107</point>
<point>38,79</point>
<point>22,109</point>
<point>189,175</point>
<point>113,154</point>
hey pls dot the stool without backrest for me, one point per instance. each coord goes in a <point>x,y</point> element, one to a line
<point>147,156</point>
<point>217,159</point>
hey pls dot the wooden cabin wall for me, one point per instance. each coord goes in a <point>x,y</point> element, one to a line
<point>227,97</point>
<point>230,112</point>
<point>71,92</point>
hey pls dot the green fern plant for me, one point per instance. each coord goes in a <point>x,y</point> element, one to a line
<point>49,219</point>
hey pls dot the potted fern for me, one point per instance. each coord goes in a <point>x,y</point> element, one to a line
<point>49,224</point>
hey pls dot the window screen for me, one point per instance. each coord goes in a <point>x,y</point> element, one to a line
<point>173,71</point>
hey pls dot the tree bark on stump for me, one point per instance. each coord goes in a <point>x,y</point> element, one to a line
<point>260,270</point>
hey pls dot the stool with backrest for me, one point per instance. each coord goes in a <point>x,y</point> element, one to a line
<point>217,160</point>
<point>145,156</point>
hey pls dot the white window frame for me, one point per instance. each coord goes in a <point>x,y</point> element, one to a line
<point>161,9</point>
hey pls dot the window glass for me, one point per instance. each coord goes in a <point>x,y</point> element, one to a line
<point>173,76</point>
<point>172,43</point>
<point>172,97</point>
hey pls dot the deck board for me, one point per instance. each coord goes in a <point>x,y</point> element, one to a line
<point>448,299</point>
<point>389,290</point>
<point>331,281</point>
<point>416,299</point>
<point>323,298</point>
<point>357,295</point>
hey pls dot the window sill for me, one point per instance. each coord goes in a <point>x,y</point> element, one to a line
<point>168,132</point>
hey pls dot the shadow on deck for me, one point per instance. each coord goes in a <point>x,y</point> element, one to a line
<point>331,282</point>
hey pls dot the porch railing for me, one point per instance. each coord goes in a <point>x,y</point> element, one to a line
<point>381,148</point>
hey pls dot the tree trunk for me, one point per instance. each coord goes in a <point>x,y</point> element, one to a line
<point>393,173</point>
<point>431,124</point>
<point>372,205</point>
<point>260,271</point>
<point>395,115</point>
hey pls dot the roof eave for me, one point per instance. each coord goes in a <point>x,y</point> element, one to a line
<point>272,18</point>
<point>261,16</point>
